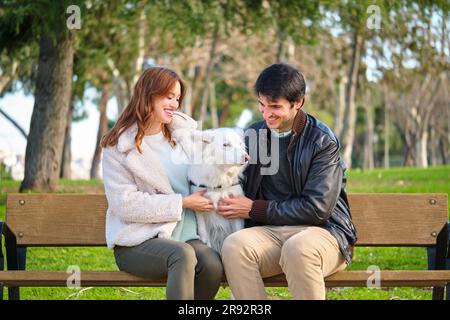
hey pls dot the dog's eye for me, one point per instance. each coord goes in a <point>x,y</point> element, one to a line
<point>206,141</point>
<point>227,144</point>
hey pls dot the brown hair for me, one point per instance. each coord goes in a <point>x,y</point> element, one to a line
<point>153,82</point>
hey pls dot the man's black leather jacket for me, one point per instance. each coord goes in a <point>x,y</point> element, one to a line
<point>318,180</point>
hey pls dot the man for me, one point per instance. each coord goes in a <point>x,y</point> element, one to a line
<point>299,219</point>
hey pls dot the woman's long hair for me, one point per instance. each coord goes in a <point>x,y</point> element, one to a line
<point>153,82</point>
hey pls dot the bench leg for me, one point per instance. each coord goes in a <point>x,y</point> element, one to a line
<point>15,259</point>
<point>438,293</point>
<point>2,259</point>
<point>441,260</point>
<point>447,287</point>
<point>447,292</point>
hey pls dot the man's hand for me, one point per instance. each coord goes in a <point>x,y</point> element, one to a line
<point>235,207</point>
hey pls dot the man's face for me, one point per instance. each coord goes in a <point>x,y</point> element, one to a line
<point>279,114</point>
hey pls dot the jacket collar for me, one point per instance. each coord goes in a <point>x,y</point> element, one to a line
<point>298,126</point>
<point>139,163</point>
<point>149,168</point>
<point>299,122</point>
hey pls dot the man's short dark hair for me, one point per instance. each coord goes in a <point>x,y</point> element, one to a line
<point>281,80</point>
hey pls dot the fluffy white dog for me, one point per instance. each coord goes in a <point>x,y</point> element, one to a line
<point>218,161</point>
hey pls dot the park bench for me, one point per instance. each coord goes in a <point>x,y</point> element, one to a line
<point>52,220</point>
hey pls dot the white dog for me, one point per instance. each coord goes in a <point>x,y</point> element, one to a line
<point>219,159</point>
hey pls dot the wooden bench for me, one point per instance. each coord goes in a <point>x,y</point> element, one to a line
<point>51,220</point>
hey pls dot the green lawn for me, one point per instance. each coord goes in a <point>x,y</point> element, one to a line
<point>398,180</point>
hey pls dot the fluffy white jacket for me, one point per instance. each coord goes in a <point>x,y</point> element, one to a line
<point>141,202</point>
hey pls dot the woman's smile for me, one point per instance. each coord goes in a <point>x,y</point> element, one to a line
<point>169,112</point>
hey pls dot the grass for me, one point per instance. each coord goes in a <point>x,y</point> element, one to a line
<point>396,180</point>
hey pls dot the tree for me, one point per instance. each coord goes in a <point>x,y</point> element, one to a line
<point>294,22</point>
<point>419,57</point>
<point>44,23</point>
<point>102,129</point>
<point>361,21</point>
<point>49,118</point>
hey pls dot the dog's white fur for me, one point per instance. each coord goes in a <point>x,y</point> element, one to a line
<point>219,159</point>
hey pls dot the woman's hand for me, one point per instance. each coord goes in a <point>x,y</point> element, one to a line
<point>198,202</point>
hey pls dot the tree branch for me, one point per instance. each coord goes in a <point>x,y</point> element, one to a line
<point>14,123</point>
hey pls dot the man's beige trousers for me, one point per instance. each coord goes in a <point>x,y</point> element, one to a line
<point>305,254</point>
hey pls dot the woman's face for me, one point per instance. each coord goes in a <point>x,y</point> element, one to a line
<point>164,106</point>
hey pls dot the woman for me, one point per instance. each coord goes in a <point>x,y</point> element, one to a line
<point>150,222</point>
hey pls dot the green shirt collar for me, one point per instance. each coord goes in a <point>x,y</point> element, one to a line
<point>278,134</point>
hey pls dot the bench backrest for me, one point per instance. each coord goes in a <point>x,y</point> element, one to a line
<point>79,219</point>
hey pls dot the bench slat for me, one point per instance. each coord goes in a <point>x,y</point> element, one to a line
<point>398,219</point>
<point>79,219</point>
<point>57,219</point>
<point>416,278</point>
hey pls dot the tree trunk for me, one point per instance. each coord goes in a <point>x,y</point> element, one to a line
<point>5,79</point>
<point>443,152</point>
<point>410,151</point>
<point>448,120</point>
<point>208,76</point>
<point>225,109</point>
<point>421,150</point>
<point>189,101</point>
<point>279,52</point>
<point>290,54</point>
<point>102,128</point>
<point>120,93</point>
<point>195,91</point>
<point>445,141</point>
<point>128,86</point>
<point>433,146</point>
<point>66,169</point>
<point>119,87</point>
<point>141,41</point>
<point>213,106</point>
<point>49,117</point>
<point>421,116</point>
<point>350,120</point>
<point>340,107</point>
<point>386,135</point>
<point>369,139</point>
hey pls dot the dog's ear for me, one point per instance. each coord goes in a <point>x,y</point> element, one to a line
<point>200,136</point>
<point>206,140</point>
<point>207,137</point>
